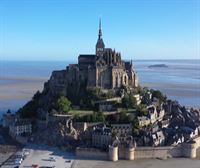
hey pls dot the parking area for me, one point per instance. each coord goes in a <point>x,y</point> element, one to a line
<point>47,157</point>
<point>13,160</point>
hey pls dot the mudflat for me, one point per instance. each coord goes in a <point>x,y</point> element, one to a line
<point>148,163</point>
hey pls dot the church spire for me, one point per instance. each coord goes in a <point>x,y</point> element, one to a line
<point>100,44</point>
<point>100,30</point>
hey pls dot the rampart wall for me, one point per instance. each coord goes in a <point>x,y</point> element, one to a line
<point>188,150</point>
<point>91,153</point>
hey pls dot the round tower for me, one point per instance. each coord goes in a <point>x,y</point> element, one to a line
<point>130,152</point>
<point>189,150</point>
<point>113,153</point>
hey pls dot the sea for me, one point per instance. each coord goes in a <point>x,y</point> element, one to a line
<point>180,80</point>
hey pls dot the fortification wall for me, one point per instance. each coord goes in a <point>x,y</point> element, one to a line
<point>157,152</point>
<point>113,153</point>
<point>21,140</point>
<point>188,150</point>
<point>183,150</point>
<point>91,153</point>
<point>197,140</point>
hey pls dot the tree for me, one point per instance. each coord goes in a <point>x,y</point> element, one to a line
<point>128,101</point>
<point>63,105</point>
<point>158,94</point>
<point>142,110</point>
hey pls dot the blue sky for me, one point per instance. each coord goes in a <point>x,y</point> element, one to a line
<point>63,29</point>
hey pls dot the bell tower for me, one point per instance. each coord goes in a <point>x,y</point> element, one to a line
<point>100,44</point>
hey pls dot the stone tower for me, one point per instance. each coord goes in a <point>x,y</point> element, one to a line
<point>100,44</point>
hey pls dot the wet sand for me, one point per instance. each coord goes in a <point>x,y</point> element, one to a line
<point>149,163</point>
<point>16,91</point>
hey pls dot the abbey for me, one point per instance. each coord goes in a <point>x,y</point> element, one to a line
<point>105,69</point>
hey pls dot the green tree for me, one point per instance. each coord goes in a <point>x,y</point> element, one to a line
<point>142,110</point>
<point>128,101</point>
<point>63,105</point>
<point>158,94</point>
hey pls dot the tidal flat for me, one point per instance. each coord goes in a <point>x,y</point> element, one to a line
<point>148,163</point>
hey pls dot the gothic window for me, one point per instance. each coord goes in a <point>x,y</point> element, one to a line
<point>125,80</point>
<point>116,81</point>
<point>122,80</point>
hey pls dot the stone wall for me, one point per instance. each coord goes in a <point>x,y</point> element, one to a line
<point>91,153</point>
<point>157,152</point>
<point>188,150</point>
<point>21,140</point>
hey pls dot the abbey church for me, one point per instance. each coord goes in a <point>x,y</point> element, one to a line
<point>105,69</point>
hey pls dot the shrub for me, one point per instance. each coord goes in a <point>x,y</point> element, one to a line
<point>63,105</point>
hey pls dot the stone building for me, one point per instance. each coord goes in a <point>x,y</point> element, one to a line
<point>101,137</point>
<point>105,69</point>
<point>8,119</point>
<point>122,131</point>
<point>20,127</point>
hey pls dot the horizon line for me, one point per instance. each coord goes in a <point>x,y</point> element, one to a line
<point>153,59</point>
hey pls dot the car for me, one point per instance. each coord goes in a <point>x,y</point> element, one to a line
<point>26,153</point>
<point>18,161</point>
<point>52,159</point>
<point>35,166</point>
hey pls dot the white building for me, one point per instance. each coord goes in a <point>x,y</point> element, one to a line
<point>152,113</point>
<point>20,127</point>
<point>158,138</point>
<point>137,98</point>
<point>143,121</point>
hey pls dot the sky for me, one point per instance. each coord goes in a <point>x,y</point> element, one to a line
<point>63,29</point>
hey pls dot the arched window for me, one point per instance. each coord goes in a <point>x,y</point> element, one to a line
<point>116,81</point>
<point>125,80</point>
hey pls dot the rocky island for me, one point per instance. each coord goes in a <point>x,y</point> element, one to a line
<point>158,66</point>
<point>98,109</point>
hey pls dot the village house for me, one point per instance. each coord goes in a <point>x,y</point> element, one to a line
<point>101,137</point>
<point>178,139</point>
<point>121,131</point>
<point>189,133</point>
<point>158,139</point>
<point>152,113</point>
<point>108,104</point>
<point>20,127</point>
<point>8,119</point>
<point>143,121</point>
<point>137,98</point>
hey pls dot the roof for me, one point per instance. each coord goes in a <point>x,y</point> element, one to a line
<point>92,56</point>
<point>100,43</point>
<point>102,130</point>
<point>160,134</point>
<point>22,122</point>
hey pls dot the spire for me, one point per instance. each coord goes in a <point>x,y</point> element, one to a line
<point>100,44</point>
<point>100,31</point>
